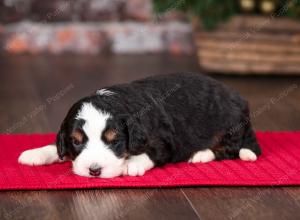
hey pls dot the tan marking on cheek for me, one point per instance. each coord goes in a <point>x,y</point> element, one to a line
<point>77,135</point>
<point>110,135</point>
<point>126,156</point>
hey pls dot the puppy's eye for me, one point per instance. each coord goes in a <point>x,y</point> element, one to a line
<point>77,137</point>
<point>75,142</point>
<point>110,135</point>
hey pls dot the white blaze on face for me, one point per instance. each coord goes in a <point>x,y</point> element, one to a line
<point>96,151</point>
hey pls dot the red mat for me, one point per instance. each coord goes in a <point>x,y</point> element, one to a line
<point>278,165</point>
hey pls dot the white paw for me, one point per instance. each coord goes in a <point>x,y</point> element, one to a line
<point>39,156</point>
<point>202,156</point>
<point>247,155</point>
<point>32,157</point>
<point>138,165</point>
<point>135,169</point>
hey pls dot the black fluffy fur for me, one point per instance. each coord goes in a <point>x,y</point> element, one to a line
<point>169,117</point>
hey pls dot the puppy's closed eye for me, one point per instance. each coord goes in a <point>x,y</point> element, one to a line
<point>110,135</point>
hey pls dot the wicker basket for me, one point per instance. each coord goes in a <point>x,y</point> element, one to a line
<point>245,45</point>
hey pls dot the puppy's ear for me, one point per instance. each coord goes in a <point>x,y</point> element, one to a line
<point>61,142</point>
<point>137,137</point>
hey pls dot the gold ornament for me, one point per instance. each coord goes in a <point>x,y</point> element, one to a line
<point>267,6</point>
<point>247,5</point>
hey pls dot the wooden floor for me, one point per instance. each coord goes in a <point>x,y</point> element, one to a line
<point>43,88</point>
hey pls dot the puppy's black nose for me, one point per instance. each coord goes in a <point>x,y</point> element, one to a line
<point>95,170</point>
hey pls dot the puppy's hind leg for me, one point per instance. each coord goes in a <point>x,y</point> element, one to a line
<point>247,155</point>
<point>39,156</point>
<point>250,149</point>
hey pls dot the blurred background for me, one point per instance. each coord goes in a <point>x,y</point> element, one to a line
<point>54,52</point>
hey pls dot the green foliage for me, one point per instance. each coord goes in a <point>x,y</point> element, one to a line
<point>211,12</point>
<point>293,9</point>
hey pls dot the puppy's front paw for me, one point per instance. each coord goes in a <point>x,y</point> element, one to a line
<point>39,156</point>
<point>138,165</point>
<point>135,169</point>
<point>32,158</point>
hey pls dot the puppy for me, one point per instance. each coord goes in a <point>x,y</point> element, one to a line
<point>130,128</point>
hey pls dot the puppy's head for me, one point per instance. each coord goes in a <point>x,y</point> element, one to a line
<point>97,142</point>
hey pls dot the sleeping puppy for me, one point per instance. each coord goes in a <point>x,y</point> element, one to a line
<point>130,128</point>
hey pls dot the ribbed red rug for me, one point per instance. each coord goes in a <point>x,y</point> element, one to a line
<point>278,165</point>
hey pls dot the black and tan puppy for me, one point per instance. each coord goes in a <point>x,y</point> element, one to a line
<point>130,128</point>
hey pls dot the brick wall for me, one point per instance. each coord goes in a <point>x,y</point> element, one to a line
<point>92,27</point>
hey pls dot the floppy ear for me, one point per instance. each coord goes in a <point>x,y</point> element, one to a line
<point>61,143</point>
<point>137,137</point>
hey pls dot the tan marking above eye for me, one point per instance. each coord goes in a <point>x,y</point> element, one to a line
<point>78,136</point>
<point>110,135</point>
